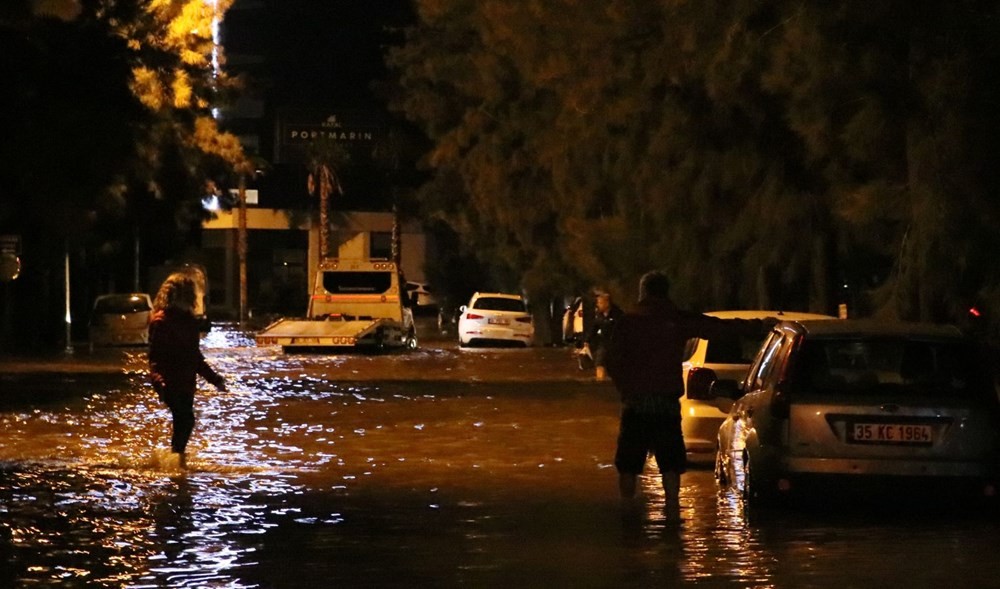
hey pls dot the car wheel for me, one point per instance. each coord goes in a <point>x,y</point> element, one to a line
<point>757,489</point>
<point>720,471</point>
<point>746,492</point>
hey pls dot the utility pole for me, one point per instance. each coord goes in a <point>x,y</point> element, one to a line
<point>135,262</point>
<point>69,316</point>
<point>241,247</point>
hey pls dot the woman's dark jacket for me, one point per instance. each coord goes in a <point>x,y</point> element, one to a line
<point>174,354</point>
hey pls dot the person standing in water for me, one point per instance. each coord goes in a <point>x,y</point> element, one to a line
<point>595,343</point>
<point>175,358</point>
<point>645,363</point>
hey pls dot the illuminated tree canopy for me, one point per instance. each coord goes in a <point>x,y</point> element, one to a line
<point>108,130</point>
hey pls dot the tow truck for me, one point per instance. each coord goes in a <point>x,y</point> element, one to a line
<point>355,305</point>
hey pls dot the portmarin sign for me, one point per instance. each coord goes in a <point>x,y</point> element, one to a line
<point>297,128</point>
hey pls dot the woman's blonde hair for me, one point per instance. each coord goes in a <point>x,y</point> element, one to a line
<point>177,291</point>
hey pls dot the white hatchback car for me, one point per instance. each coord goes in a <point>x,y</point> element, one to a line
<point>495,319</point>
<point>729,358</point>
<point>121,320</point>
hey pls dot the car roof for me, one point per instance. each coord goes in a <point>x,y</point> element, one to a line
<point>876,327</point>
<point>759,314</point>
<point>500,295</point>
<point>123,296</point>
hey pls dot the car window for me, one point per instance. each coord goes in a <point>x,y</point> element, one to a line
<point>859,366</point>
<point>765,361</point>
<point>498,304</point>
<point>774,360</point>
<point>734,349</point>
<point>121,305</point>
<point>689,348</point>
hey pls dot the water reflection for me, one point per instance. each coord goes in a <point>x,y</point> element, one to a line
<point>398,471</point>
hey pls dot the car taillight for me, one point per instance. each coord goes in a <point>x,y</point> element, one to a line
<point>523,319</point>
<point>473,316</point>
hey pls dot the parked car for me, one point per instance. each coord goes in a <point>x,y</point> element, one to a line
<point>729,358</point>
<point>894,408</point>
<point>421,294</point>
<point>121,320</point>
<point>573,321</point>
<point>495,319</point>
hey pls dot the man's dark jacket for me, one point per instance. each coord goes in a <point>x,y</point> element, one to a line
<point>647,347</point>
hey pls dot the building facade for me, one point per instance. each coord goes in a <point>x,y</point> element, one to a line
<point>307,69</point>
<point>283,254</point>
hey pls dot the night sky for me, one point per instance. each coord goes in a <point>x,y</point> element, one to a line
<point>322,57</point>
<point>317,53</point>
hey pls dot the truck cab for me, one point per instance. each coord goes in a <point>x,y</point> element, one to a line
<point>359,289</point>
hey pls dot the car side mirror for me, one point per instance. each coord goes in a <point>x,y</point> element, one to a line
<point>461,309</point>
<point>704,385</point>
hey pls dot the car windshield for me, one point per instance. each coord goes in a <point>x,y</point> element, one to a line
<point>948,368</point>
<point>121,304</point>
<point>499,304</point>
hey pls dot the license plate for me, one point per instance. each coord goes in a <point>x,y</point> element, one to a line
<point>891,433</point>
<point>495,321</point>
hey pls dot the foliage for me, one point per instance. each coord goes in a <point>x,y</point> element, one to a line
<point>764,154</point>
<point>107,132</point>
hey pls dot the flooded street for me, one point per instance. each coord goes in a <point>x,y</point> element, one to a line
<point>442,467</point>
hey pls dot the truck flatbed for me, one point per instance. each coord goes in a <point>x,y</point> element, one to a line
<point>355,304</point>
<point>291,333</point>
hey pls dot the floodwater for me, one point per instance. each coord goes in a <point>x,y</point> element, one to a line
<point>442,467</point>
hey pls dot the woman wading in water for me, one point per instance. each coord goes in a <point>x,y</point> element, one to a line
<point>175,359</point>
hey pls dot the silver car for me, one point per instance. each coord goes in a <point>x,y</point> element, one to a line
<point>121,320</point>
<point>872,405</point>
<point>728,358</point>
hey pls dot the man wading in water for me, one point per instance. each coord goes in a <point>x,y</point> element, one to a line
<point>644,361</point>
